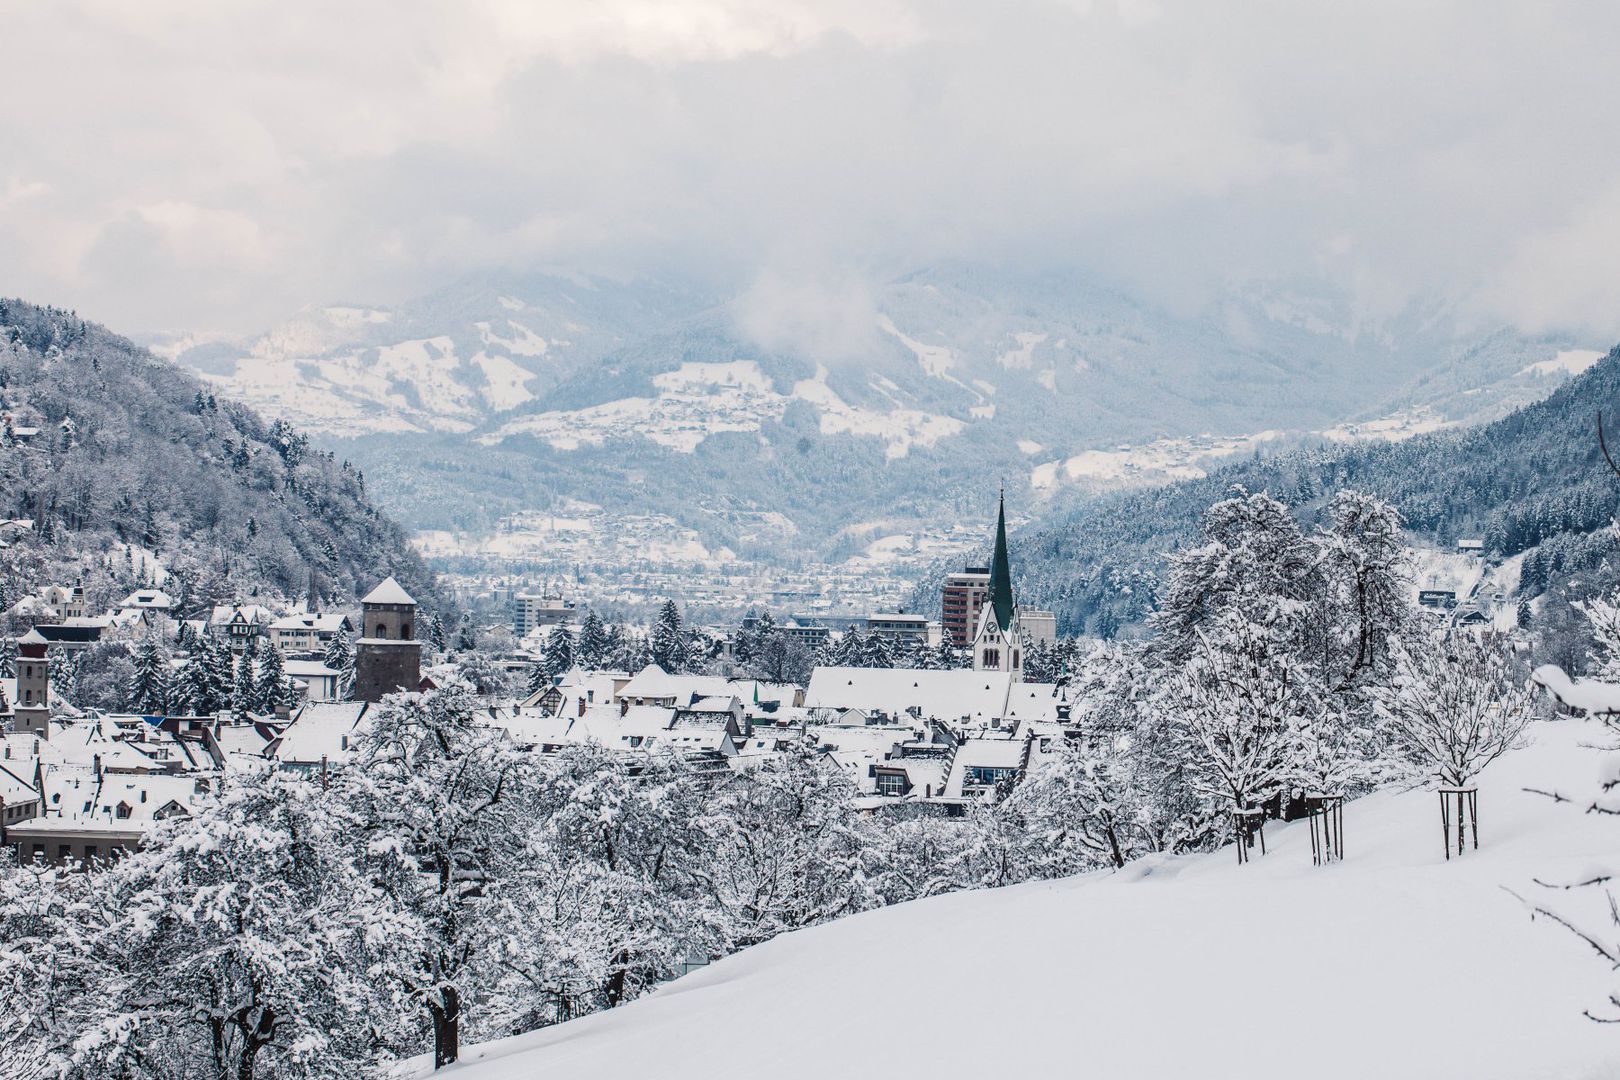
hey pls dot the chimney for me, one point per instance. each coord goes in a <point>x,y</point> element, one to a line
<point>582,706</point>
<point>624,706</point>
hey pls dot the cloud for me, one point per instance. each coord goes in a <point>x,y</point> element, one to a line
<point>820,313</point>
<point>217,168</point>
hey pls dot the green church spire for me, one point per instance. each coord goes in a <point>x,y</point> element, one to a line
<point>1001,594</point>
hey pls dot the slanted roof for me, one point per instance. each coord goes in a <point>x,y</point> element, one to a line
<point>389,592</point>
<point>953,694</point>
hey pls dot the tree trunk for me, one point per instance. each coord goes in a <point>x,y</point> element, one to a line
<point>1113,843</point>
<point>616,981</point>
<point>446,1028</point>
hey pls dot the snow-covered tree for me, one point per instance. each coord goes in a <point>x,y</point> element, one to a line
<point>1233,701</point>
<point>1588,904</point>
<point>1367,574</point>
<point>444,802</point>
<point>245,689</point>
<point>234,943</point>
<point>148,691</point>
<point>339,656</point>
<point>593,647</point>
<point>790,852</point>
<point>270,686</point>
<point>559,651</point>
<point>1078,807</point>
<point>1455,705</point>
<point>668,643</point>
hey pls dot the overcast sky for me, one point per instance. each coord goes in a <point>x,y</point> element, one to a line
<point>217,165</point>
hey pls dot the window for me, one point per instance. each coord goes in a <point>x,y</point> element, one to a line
<point>405,632</point>
<point>382,631</point>
<point>891,784</point>
<point>64,852</point>
<point>123,811</point>
<point>89,852</point>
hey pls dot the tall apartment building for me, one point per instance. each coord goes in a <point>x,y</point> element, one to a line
<point>962,599</point>
<point>530,612</point>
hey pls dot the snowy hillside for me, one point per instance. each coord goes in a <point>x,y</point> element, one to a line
<point>1393,964</point>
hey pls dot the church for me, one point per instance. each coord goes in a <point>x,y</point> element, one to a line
<point>997,643</point>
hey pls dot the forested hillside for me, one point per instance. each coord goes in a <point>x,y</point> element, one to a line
<point>102,443</point>
<point>1533,482</point>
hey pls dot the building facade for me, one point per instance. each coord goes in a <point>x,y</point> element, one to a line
<point>388,657</point>
<point>961,601</point>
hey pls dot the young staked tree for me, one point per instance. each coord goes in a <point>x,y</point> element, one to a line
<point>1455,705</point>
<point>1233,701</point>
<point>444,804</point>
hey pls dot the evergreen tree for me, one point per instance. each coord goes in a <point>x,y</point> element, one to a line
<point>559,651</point>
<point>668,642</point>
<point>148,692</point>
<point>270,685</point>
<point>245,691</point>
<point>220,666</point>
<point>339,657</point>
<point>593,648</point>
<point>8,657</point>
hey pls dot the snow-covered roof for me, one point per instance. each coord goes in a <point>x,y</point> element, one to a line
<point>982,754</point>
<point>16,787</point>
<point>76,799</point>
<point>388,592</point>
<point>147,599</point>
<point>955,694</point>
<point>325,622</point>
<point>321,730</point>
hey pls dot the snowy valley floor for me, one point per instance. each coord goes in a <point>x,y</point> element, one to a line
<point>1392,964</point>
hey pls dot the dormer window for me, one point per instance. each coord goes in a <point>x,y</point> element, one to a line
<point>124,811</point>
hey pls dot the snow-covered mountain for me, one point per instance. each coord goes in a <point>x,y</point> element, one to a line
<point>450,361</point>
<point>1394,963</point>
<point>952,381</point>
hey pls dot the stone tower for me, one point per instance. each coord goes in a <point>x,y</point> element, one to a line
<point>388,658</point>
<point>32,709</point>
<point>998,646</point>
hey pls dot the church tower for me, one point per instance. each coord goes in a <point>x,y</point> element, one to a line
<point>31,712</point>
<point>997,645</point>
<point>388,658</point>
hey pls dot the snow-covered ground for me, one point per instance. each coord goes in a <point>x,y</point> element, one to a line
<point>1393,964</point>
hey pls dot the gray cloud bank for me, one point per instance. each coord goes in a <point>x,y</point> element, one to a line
<point>169,165</point>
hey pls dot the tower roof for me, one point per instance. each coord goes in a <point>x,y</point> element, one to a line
<point>1001,594</point>
<point>389,592</point>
